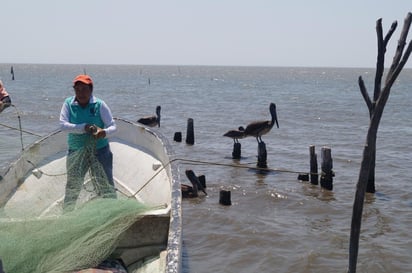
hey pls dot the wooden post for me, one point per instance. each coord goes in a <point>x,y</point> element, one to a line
<point>12,73</point>
<point>236,150</point>
<point>326,178</point>
<point>178,137</point>
<point>262,155</point>
<point>188,191</point>
<point>314,177</point>
<point>190,135</point>
<point>224,198</point>
<point>303,177</point>
<point>202,180</point>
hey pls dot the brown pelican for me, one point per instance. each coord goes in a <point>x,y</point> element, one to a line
<point>151,121</point>
<point>236,134</point>
<point>259,128</point>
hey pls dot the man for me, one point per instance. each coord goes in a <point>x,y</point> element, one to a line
<point>5,100</point>
<point>88,121</point>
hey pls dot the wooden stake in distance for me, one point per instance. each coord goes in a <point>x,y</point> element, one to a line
<point>314,177</point>
<point>190,135</point>
<point>262,155</point>
<point>326,178</point>
<point>177,137</point>
<point>237,150</point>
<point>224,198</point>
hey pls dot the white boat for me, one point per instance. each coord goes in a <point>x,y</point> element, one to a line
<point>142,168</point>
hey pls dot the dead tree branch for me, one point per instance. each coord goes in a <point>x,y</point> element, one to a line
<point>376,110</point>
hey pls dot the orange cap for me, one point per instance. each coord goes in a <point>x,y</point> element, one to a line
<point>84,79</point>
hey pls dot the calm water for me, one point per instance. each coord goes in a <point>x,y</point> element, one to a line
<point>275,223</point>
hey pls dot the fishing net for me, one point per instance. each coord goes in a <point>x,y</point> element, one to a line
<point>67,241</point>
<point>86,161</point>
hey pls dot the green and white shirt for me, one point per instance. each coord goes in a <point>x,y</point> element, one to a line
<point>73,119</point>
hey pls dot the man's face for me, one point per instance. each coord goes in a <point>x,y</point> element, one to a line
<point>83,93</point>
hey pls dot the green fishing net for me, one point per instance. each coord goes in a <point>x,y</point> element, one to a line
<point>69,241</point>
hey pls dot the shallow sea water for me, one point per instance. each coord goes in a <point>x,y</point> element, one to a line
<point>275,223</point>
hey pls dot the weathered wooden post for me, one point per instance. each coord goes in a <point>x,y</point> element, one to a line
<point>314,177</point>
<point>326,178</point>
<point>303,177</point>
<point>202,180</point>
<point>262,155</point>
<point>236,154</point>
<point>224,198</point>
<point>177,137</point>
<point>12,73</point>
<point>190,135</point>
<point>192,191</point>
<point>236,135</point>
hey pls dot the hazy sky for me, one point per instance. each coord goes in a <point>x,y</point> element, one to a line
<point>332,33</point>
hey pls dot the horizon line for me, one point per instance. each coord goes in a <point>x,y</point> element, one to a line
<point>194,65</point>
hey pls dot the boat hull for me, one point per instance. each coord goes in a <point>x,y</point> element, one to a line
<point>142,169</point>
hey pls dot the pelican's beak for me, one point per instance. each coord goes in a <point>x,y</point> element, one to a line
<point>276,119</point>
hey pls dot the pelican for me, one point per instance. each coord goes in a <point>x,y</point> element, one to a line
<point>151,121</point>
<point>236,134</point>
<point>259,128</point>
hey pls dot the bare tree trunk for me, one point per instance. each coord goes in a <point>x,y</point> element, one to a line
<point>370,187</point>
<point>375,110</point>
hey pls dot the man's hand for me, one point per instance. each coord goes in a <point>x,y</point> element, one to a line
<point>99,133</point>
<point>90,128</point>
<point>94,130</point>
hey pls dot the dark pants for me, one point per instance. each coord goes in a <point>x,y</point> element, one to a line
<point>101,172</point>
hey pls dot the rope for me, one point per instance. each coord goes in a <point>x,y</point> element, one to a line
<point>244,166</point>
<point>195,162</point>
<point>42,172</point>
<point>200,162</point>
<point>20,129</point>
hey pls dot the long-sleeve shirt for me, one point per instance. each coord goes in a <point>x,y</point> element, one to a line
<point>73,119</point>
<point>3,92</point>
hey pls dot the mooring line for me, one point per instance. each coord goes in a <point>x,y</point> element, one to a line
<point>201,162</point>
<point>17,129</point>
<point>242,166</point>
<point>193,162</point>
<point>20,129</point>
